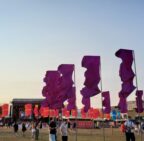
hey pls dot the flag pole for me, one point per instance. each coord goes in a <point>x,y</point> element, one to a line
<point>135,74</point>
<point>136,79</point>
<point>76,105</point>
<point>102,101</point>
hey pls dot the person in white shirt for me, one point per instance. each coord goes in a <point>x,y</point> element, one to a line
<point>129,129</point>
<point>64,131</point>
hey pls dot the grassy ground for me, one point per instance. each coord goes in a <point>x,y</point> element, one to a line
<point>83,135</point>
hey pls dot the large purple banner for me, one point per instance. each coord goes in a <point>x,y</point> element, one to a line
<point>92,79</point>
<point>59,88</point>
<point>127,75</point>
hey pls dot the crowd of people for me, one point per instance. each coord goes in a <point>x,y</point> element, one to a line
<point>63,126</point>
<point>129,127</point>
<point>24,126</point>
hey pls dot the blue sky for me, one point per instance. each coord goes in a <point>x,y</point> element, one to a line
<point>38,35</point>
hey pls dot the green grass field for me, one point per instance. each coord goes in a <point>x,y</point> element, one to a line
<point>82,135</point>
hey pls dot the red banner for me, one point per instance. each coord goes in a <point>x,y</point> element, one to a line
<point>90,113</point>
<point>5,110</point>
<point>67,114</point>
<point>83,114</point>
<point>57,113</point>
<point>0,111</point>
<point>96,113</point>
<point>74,113</point>
<point>107,116</point>
<point>64,111</point>
<point>28,109</point>
<point>52,113</point>
<point>46,112</point>
<point>36,113</point>
<point>41,111</point>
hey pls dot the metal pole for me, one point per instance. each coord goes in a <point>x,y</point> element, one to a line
<point>136,79</point>
<point>135,72</point>
<point>76,105</point>
<point>101,102</point>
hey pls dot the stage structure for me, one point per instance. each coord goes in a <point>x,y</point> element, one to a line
<point>18,107</point>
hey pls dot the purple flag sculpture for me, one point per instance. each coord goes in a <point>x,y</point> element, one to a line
<point>106,102</point>
<point>72,100</point>
<point>139,101</point>
<point>127,75</point>
<point>86,103</point>
<point>92,79</point>
<point>67,90</point>
<point>123,105</point>
<point>59,88</point>
<point>51,90</point>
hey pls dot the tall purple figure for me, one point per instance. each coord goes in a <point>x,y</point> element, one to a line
<point>92,79</point>
<point>127,75</point>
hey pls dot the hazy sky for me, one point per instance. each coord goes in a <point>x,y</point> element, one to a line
<point>38,35</point>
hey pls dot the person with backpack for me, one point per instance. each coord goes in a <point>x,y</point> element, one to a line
<point>129,129</point>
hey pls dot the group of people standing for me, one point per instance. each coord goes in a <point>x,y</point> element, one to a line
<point>129,127</point>
<point>62,125</point>
<point>24,126</point>
<point>63,129</point>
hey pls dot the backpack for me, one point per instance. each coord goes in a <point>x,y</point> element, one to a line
<point>129,128</point>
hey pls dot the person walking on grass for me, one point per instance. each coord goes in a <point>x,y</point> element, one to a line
<point>129,129</point>
<point>36,133</point>
<point>23,128</point>
<point>15,126</point>
<point>74,126</point>
<point>52,129</point>
<point>33,130</point>
<point>64,130</point>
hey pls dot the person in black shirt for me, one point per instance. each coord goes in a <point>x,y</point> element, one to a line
<point>40,125</point>
<point>23,128</point>
<point>15,126</point>
<point>52,128</point>
<point>69,124</point>
<point>74,126</point>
